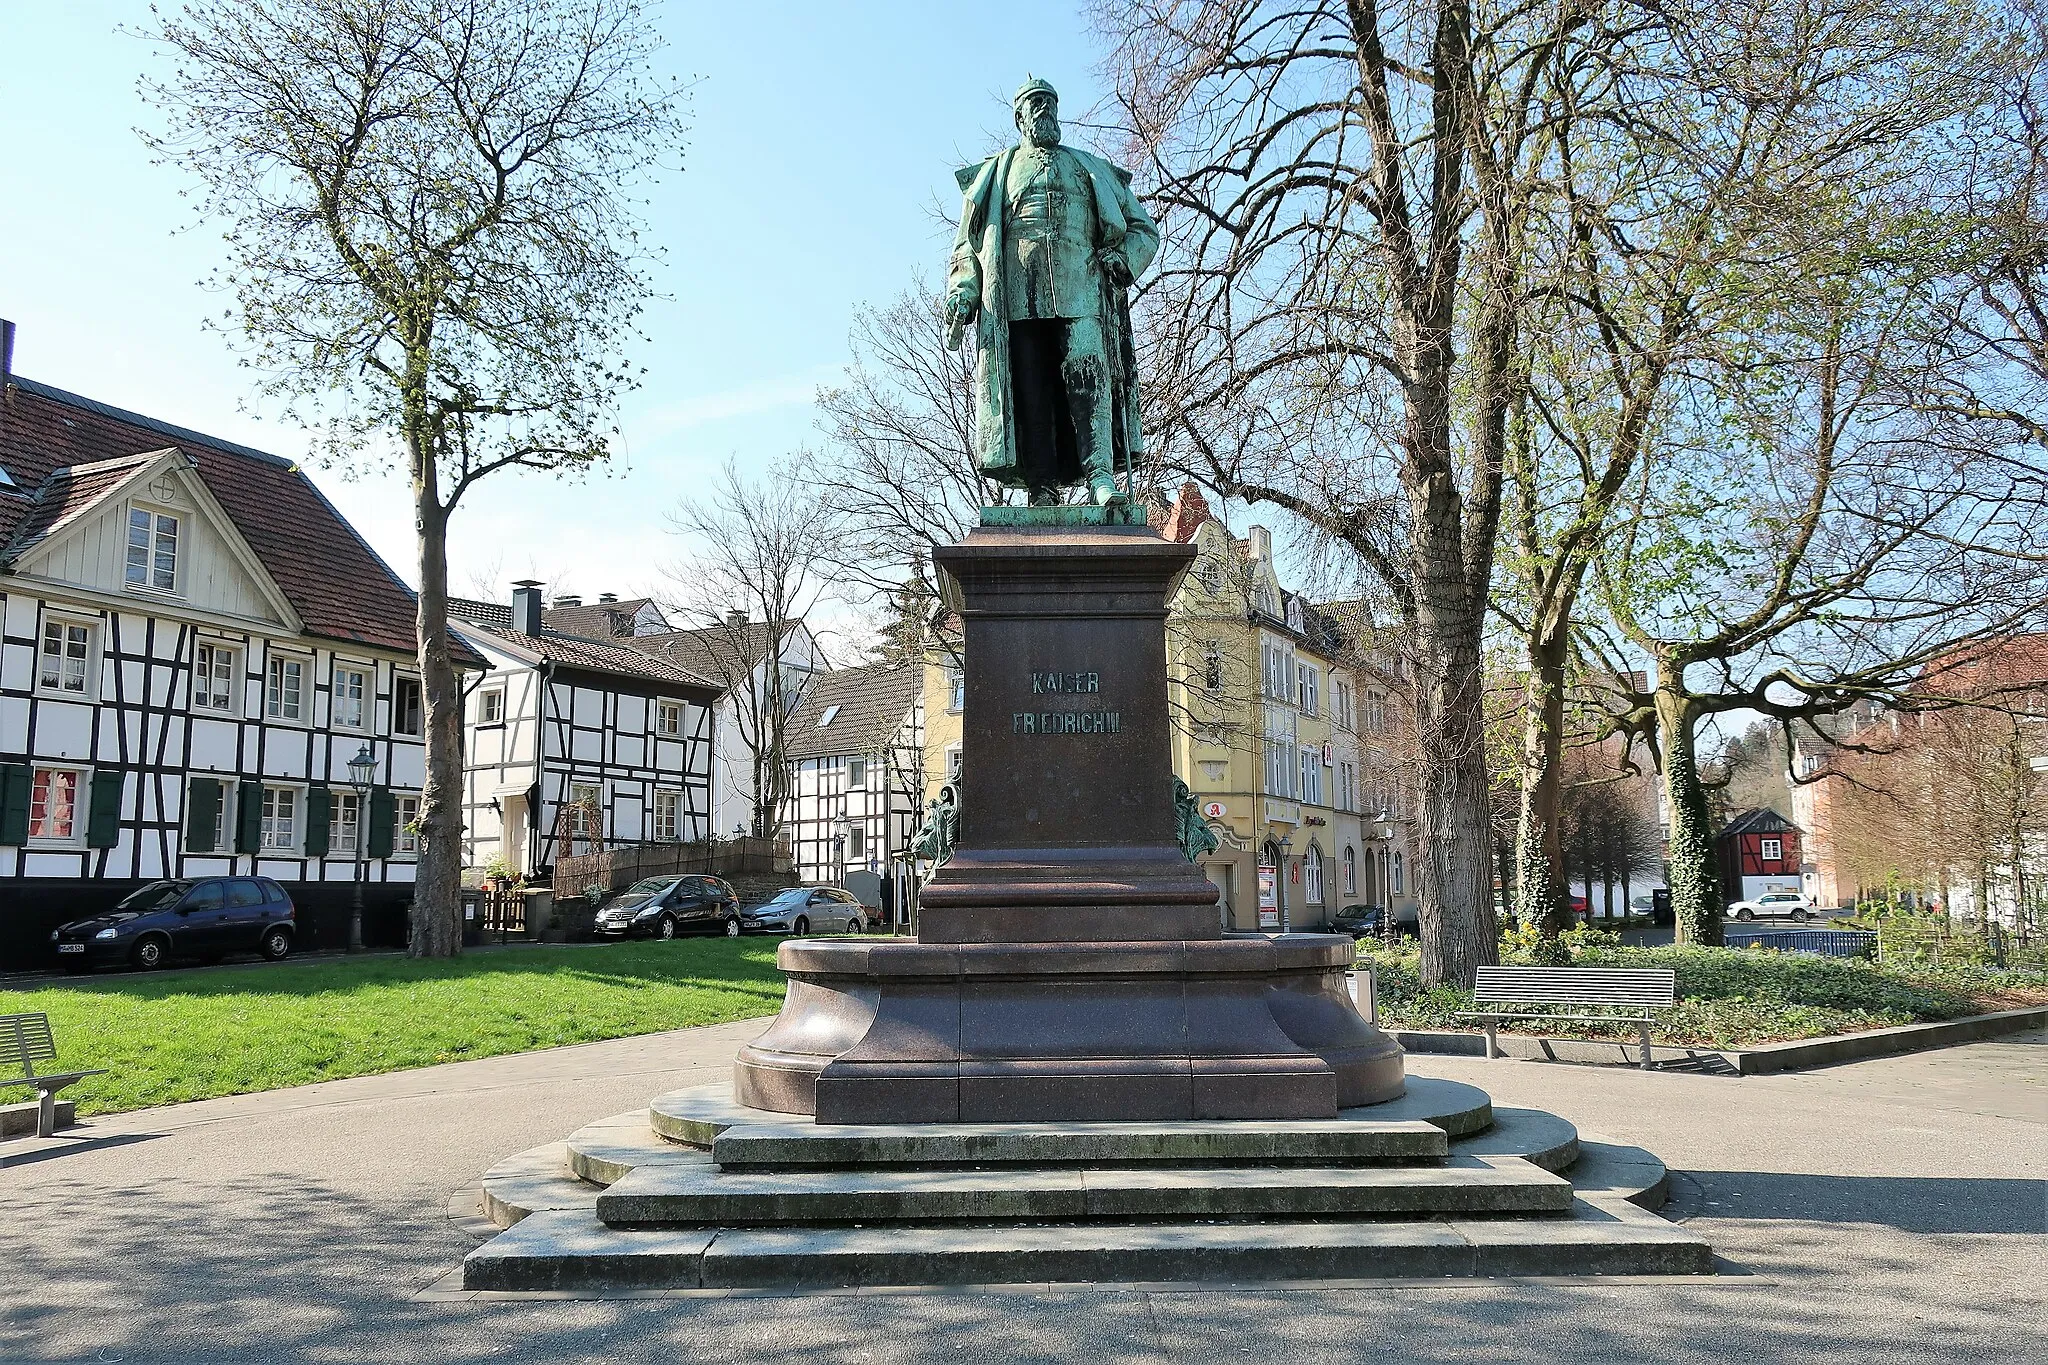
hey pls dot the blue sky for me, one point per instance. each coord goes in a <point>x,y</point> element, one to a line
<point>823,134</point>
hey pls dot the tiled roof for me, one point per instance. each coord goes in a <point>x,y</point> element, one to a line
<point>870,704</point>
<point>595,620</point>
<point>68,494</point>
<point>600,656</point>
<point>333,579</point>
<point>1190,509</point>
<point>1761,819</point>
<point>728,654</point>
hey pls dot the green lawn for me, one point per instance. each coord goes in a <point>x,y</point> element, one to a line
<point>192,1035</point>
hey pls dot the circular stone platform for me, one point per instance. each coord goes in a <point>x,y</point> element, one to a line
<point>1252,1027</point>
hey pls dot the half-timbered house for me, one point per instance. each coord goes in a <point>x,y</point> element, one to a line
<point>193,646</point>
<point>1759,853</point>
<point>855,746</point>
<point>576,743</point>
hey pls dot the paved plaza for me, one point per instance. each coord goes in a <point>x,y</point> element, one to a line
<point>1886,1211</point>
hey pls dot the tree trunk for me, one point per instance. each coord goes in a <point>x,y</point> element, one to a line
<point>1544,899</point>
<point>1453,854</point>
<point>1694,878</point>
<point>1606,868</point>
<point>437,876</point>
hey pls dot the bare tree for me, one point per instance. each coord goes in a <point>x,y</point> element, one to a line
<point>431,246</point>
<point>758,567</point>
<point>1344,189</point>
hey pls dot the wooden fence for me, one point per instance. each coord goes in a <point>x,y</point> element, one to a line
<point>609,869</point>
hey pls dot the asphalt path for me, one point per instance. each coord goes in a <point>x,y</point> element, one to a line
<point>1884,1211</point>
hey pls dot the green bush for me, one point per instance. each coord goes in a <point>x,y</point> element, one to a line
<point>1727,997</point>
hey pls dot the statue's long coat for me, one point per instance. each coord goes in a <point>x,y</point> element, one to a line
<point>1123,225</point>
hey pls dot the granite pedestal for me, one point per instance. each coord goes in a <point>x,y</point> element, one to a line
<point>1070,961</point>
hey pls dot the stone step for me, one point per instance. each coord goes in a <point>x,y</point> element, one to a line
<point>657,1196</point>
<point>697,1116</point>
<point>1322,1142</point>
<point>1534,1135</point>
<point>571,1250</point>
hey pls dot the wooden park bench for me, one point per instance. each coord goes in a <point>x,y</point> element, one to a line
<point>25,1040</point>
<point>1623,995</point>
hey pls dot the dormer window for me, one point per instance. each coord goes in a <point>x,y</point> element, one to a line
<point>152,550</point>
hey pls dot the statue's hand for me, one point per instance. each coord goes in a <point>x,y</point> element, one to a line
<point>1115,266</point>
<point>962,308</point>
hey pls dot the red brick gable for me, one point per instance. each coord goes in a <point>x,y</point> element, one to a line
<point>333,579</point>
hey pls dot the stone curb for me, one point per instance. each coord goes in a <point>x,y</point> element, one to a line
<point>1762,1060</point>
<point>1848,1047</point>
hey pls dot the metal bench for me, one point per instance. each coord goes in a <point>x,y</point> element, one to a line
<point>25,1040</point>
<point>1625,994</point>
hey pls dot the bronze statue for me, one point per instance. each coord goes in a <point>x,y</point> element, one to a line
<point>1050,240</point>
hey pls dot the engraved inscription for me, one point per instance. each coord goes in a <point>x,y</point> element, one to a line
<point>1066,722</point>
<point>1065,682</point>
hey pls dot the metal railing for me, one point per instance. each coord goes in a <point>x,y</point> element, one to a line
<point>1826,942</point>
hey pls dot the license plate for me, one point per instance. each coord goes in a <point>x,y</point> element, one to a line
<point>71,947</point>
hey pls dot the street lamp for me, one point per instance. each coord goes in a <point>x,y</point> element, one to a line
<point>362,771</point>
<point>840,827</point>
<point>1286,840</point>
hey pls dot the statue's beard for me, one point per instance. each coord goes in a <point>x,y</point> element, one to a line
<point>1043,131</point>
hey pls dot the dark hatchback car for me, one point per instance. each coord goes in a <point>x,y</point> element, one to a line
<point>199,917</point>
<point>802,909</point>
<point>1360,921</point>
<point>662,907</point>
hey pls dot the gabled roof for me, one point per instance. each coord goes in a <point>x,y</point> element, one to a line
<point>727,653</point>
<point>852,710</point>
<point>596,620</point>
<point>1758,820</point>
<point>59,449</point>
<point>491,620</point>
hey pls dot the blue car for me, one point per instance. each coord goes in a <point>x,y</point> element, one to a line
<point>192,917</point>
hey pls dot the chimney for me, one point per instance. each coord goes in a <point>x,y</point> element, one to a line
<point>6,353</point>
<point>606,597</point>
<point>736,618</point>
<point>1262,544</point>
<point>568,599</point>
<point>526,606</point>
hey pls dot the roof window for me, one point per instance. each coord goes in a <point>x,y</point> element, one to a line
<point>830,712</point>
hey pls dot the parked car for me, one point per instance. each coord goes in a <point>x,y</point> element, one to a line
<point>191,917</point>
<point>1361,921</point>
<point>662,907</point>
<point>802,909</point>
<point>1774,905</point>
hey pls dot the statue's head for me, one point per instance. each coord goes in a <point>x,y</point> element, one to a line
<point>1037,108</point>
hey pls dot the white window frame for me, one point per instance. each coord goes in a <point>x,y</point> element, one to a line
<point>89,672</point>
<point>668,719</point>
<point>1350,870</point>
<point>81,805</point>
<point>366,708</point>
<point>152,548</point>
<point>1771,850</point>
<point>405,843</point>
<point>485,699</point>
<point>672,803</point>
<point>1312,876</point>
<point>206,657</point>
<point>956,689</point>
<point>398,682</point>
<point>296,848</point>
<point>273,687</point>
<point>856,841</point>
<point>1312,775</point>
<point>857,773</point>
<point>952,753</point>
<point>337,847</point>
<point>576,804</point>
<point>1308,682</point>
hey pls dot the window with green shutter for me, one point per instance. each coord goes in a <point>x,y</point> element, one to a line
<point>14,787</point>
<point>103,816</point>
<point>319,810</point>
<point>383,821</point>
<point>202,814</point>
<point>249,818</point>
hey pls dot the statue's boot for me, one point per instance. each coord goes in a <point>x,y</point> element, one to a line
<point>1045,497</point>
